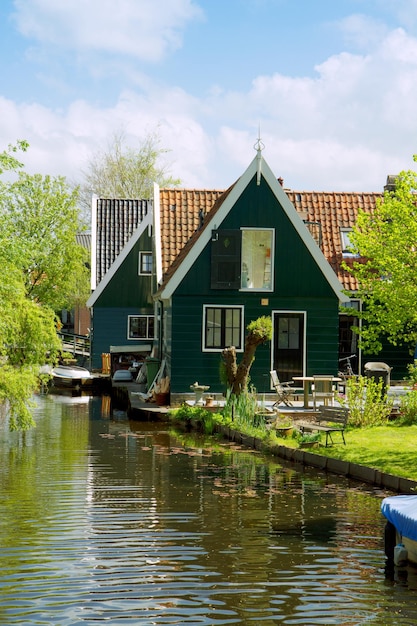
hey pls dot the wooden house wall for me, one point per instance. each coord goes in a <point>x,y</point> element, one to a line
<point>299,286</point>
<point>126,294</point>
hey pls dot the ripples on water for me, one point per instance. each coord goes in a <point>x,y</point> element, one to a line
<point>126,523</point>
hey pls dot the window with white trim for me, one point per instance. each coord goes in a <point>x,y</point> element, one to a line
<point>141,327</point>
<point>346,243</point>
<point>145,263</point>
<point>257,259</point>
<point>222,327</point>
<point>243,259</point>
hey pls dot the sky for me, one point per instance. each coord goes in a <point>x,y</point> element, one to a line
<point>329,86</point>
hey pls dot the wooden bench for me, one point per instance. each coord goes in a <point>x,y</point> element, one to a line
<point>330,419</point>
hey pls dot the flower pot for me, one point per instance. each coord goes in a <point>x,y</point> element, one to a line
<point>309,444</point>
<point>284,431</point>
<point>161,399</point>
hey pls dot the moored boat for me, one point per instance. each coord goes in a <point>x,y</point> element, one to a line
<point>71,376</point>
<point>401,529</point>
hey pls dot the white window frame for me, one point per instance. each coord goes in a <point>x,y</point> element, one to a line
<point>221,307</point>
<point>268,267</point>
<point>345,241</point>
<point>148,318</point>
<point>144,255</point>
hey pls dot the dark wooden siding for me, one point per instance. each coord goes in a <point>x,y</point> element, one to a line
<point>190,364</point>
<point>299,286</point>
<point>126,287</point>
<point>110,328</point>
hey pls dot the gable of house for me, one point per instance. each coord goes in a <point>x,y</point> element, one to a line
<point>123,312</point>
<point>293,279</point>
<point>113,223</point>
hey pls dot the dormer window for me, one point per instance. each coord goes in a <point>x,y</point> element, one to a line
<point>346,243</point>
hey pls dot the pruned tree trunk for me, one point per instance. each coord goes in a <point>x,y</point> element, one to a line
<point>238,375</point>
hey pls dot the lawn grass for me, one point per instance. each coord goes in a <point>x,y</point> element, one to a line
<point>391,449</point>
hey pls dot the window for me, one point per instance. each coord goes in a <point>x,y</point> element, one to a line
<point>145,263</point>
<point>256,271</point>
<point>141,327</point>
<point>346,244</point>
<point>222,327</point>
<point>225,259</point>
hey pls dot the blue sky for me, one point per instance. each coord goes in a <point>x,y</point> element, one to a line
<point>331,84</point>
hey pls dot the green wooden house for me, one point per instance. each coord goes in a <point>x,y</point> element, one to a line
<point>251,255</point>
<point>123,281</point>
<point>181,276</point>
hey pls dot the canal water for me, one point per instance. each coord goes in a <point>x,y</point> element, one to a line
<point>104,520</point>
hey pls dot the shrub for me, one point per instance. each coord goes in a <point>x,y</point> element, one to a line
<point>368,402</point>
<point>196,416</point>
<point>408,409</point>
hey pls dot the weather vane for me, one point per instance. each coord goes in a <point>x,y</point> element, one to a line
<point>259,145</point>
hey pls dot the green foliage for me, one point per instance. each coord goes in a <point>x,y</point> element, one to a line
<point>261,328</point>
<point>412,372</point>
<point>16,387</point>
<point>367,401</point>
<point>408,409</point>
<point>40,216</point>
<point>196,417</point>
<point>308,437</point>
<point>8,161</point>
<point>386,241</point>
<point>43,269</point>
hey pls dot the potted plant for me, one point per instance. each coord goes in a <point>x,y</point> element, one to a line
<point>310,440</point>
<point>161,391</point>
<point>283,425</point>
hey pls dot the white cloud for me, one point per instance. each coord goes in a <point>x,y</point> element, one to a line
<point>345,128</point>
<point>146,29</point>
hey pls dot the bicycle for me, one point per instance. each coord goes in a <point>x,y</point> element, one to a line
<point>348,368</point>
<point>348,371</point>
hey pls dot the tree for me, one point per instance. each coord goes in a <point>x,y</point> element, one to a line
<point>40,263</point>
<point>41,216</point>
<point>124,172</point>
<point>386,241</point>
<point>259,331</point>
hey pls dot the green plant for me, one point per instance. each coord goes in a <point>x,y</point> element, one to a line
<point>408,409</point>
<point>195,416</point>
<point>412,372</point>
<point>368,402</point>
<point>241,408</point>
<point>309,437</point>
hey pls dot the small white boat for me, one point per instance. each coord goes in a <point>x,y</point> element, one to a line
<point>401,529</point>
<point>71,376</point>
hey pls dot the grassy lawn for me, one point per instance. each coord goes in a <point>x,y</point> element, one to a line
<point>391,449</point>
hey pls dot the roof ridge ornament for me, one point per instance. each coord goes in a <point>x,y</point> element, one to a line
<point>259,146</point>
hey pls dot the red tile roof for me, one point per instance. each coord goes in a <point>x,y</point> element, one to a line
<point>183,212</point>
<point>334,211</point>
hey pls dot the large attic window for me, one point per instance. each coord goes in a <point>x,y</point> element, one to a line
<point>257,259</point>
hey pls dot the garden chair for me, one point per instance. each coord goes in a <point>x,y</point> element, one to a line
<point>283,390</point>
<point>323,389</point>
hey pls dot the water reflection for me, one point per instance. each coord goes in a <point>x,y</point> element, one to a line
<point>130,523</point>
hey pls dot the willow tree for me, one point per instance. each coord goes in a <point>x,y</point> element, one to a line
<point>386,242</point>
<point>237,375</point>
<point>42,267</point>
